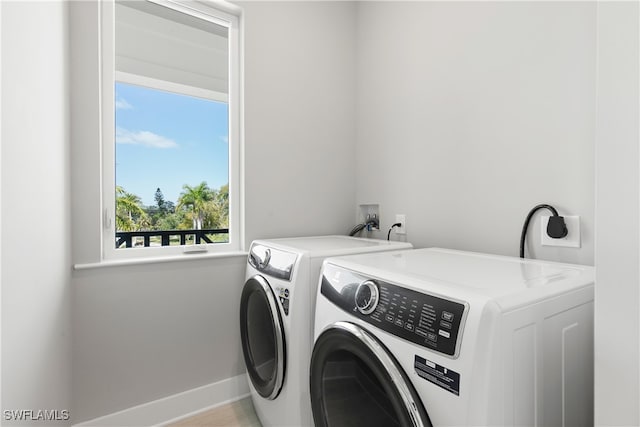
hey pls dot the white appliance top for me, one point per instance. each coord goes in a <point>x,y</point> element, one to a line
<point>489,275</point>
<point>333,245</point>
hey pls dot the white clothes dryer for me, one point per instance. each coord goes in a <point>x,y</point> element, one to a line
<point>449,338</point>
<point>276,319</point>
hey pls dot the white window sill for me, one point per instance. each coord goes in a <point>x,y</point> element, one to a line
<point>157,260</point>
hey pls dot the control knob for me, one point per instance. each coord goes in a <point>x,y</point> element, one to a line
<point>367,297</point>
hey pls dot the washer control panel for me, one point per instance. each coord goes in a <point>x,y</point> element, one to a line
<point>424,319</point>
<point>367,297</point>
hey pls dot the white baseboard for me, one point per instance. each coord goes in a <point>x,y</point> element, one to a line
<point>173,408</point>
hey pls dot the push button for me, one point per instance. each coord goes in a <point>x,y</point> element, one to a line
<point>444,333</point>
<point>447,316</point>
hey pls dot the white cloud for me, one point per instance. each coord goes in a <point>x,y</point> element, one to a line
<point>122,104</point>
<point>145,138</point>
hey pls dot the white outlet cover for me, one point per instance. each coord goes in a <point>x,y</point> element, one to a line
<point>402,219</point>
<point>572,239</point>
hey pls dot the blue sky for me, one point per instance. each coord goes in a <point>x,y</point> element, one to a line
<point>165,140</point>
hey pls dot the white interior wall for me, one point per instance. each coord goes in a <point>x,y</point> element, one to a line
<point>0,202</point>
<point>36,303</point>
<point>617,298</point>
<point>145,332</point>
<point>149,331</point>
<point>299,110</point>
<point>471,113</point>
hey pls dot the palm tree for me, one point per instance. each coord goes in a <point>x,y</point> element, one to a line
<point>130,215</point>
<point>222,200</point>
<point>198,199</point>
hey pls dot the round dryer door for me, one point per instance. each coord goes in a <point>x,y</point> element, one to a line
<point>262,335</point>
<point>356,381</point>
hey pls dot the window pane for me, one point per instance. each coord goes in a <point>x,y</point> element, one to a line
<point>159,43</point>
<point>171,127</point>
<point>172,168</point>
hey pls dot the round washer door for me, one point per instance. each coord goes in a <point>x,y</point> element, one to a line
<point>262,335</point>
<point>356,381</point>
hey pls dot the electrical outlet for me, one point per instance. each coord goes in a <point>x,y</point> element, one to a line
<point>571,240</point>
<point>401,218</point>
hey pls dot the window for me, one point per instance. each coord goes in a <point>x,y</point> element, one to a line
<point>171,131</point>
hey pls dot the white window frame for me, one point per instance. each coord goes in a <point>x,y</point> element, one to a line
<point>215,12</point>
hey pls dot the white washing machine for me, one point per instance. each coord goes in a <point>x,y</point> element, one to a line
<point>276,319</point>
<point>448,338</point>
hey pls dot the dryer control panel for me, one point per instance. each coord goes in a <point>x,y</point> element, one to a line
<point>428,320</point>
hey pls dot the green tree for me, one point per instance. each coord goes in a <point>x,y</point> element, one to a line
<point>198,201</point>
<point>162,204</point>
<point>222,200</point>
<point>130,214</point>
